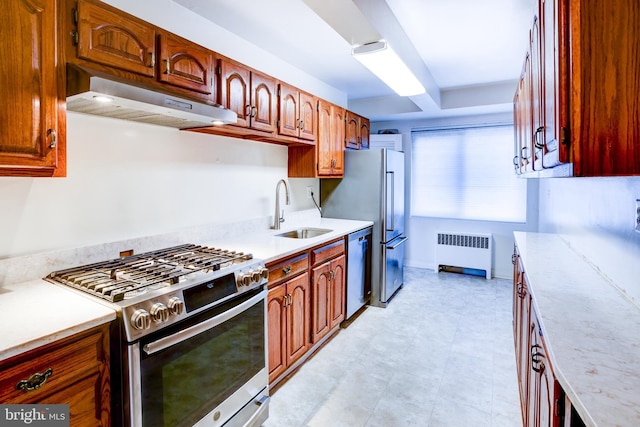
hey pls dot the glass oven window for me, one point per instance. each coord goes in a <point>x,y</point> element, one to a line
<point>182,383</point>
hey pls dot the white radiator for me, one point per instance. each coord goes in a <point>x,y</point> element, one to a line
<point>465,251</point>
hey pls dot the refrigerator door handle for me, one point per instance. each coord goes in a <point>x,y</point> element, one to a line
<point>398,243</point>
<point>390,206</point>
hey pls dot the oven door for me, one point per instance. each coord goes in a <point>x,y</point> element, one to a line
<point>205,370</point>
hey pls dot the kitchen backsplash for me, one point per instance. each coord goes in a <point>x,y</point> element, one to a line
<point>36,266</point>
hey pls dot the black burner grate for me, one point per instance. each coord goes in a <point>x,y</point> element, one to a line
<point>118,279</point>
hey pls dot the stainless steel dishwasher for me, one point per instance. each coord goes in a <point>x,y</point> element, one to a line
<point>358,270</point>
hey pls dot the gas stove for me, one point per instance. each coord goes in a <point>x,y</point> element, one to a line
<point>156,289</point>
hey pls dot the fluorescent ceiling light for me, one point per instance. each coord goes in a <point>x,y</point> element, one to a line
<point>382,61</point>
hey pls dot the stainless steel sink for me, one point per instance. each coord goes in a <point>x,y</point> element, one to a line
<point>305,233</point>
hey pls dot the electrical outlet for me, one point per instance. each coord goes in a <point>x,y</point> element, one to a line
<point>637,216</point>
<point>309,192</point>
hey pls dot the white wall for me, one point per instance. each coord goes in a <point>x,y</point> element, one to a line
<point>597,217</point>
<point>422,230</point>
<point>129,180</point>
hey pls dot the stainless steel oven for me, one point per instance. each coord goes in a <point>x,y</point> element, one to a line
<point>189,348</point>
<point>203,371</point>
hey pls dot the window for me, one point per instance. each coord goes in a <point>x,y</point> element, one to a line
<point>466,173</point>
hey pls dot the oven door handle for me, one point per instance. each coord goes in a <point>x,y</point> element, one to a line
<point>185,334</point>
<point>263,405</point>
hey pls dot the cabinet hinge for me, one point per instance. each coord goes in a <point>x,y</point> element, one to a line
<point>564,135</point>
<point>75,37</point>
<point>74,15</point>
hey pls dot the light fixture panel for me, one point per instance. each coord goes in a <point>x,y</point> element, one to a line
<point>382,61</point>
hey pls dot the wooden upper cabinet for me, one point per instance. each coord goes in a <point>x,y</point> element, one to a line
<point>352,131</point>
<point>297,113</point>
<point>357,131</point>
<point>330,140</point>
<point>592,129</point>
<point>250,94</point>
<point>185,64</point>
<point>109,37</point>
<point>308,117</point>
<point>365,130</point>
<point>32,115</point>
<point>235,81</point>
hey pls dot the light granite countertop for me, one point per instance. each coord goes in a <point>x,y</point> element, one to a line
<point>36,312</point>
<point>591,329</point>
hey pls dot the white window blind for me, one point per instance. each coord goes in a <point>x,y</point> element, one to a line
<point>466,173</point>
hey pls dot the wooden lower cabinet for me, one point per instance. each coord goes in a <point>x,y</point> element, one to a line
<point>542,399</point>
<point>73,371</point>
<point>328,281</point>
<point>288,319</point>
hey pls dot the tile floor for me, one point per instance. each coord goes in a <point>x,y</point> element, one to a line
<point>441,354</point>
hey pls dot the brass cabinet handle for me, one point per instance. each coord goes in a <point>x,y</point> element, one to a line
<point>35,381</point>
<point>254,111</point>
<point>287,269</point>
<point>167,66</point>
<point>247,110</point>
<point>152,62</point>
<point>536,143</point>
<point>54,138</point>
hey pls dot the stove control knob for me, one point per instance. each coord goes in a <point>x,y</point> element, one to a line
<point>176,306</point>
<point>244,279</point>
<point>141,319</point>
<point>159,312</point>
<point>264,273</point>
<point>255,276</point>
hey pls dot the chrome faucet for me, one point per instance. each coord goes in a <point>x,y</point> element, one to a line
<point>279,218</point>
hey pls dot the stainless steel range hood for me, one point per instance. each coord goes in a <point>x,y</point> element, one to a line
<point>101,95</point>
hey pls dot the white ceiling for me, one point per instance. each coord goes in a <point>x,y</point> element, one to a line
<point>467,53</point>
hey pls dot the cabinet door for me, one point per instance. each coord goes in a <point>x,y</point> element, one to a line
<point>308,117</point>
<point>522,308</point>
<point>185,64</point>
<point>338,291</point>
<point>325,146</point>
<point>277,334</point>
<point>338,139</point>
<point>542,385</point>
<point>77,370</point>
<point>32,130</point>
<point>288,105</point>
<point>263,102</point>
<point>536,96</point>
<point>298,317</point>
<point>365,130</point>
<point>321,291</point>
<point>111,38</point>
<point>235,81</point>
<point>352,131</point>
<point>554,88</point>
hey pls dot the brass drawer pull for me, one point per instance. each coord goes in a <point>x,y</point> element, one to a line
<point>287,269</point>
<point>35,381</point>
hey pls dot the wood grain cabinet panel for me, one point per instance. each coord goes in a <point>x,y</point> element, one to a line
<point>328,289</point>
<point>584,91</point>
<point>185,64</point>
<point>289,318</point>
<point>111,38</point>
<point>32,116</point>
<point>250,94</point>
<point>73,371</point>
<point>297,113</point>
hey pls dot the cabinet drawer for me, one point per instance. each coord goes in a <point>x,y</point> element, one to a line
<point>69,361</point>
<point>326,252</point>
<point>288,268</point>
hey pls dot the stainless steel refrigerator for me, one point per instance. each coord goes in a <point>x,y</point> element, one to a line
<point>373,189</point>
